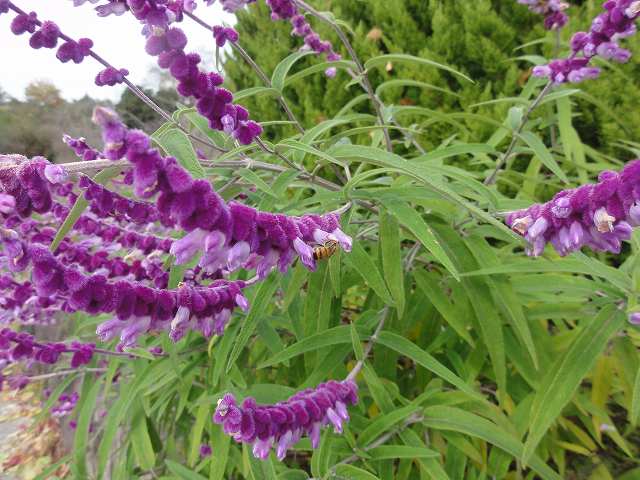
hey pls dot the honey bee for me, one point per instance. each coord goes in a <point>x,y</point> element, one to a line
<point>326,251</point>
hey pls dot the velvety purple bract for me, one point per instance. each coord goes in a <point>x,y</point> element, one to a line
<point>599,216</point>
<point>282,425</point>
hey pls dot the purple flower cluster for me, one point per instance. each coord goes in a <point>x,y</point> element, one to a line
<point>553,11</point>
<point>168,44</point>
<point>81,148</point>
<point>282,425</point>
<point>139,308</point>
<point>25,181</point>
<point>111,234</point>
<point>287,10</point>
<point>104,202</point>
<point>228,235</point>
<point>22,347</point>
<point>616,22</point>
<point>600,216</point>
<point>224,35</point>
<point>65,405</point>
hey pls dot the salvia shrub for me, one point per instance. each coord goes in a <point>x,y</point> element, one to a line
<point>340,298</point>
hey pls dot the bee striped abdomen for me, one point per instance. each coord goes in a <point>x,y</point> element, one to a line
<point>323,252</point>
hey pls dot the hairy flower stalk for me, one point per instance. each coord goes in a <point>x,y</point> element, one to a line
<point>599,216</point>
<point>615,23</point>
<point>282,425</point>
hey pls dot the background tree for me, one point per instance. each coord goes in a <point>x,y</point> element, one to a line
<point>483,39</point>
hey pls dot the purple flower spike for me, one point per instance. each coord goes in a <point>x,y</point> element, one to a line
<point>599,216</point>
<point>224,35</point>
<point>280,426</point>
<point>615,23</point>
<point>205,450</point>
<point>634,318</point>
<point>553,11</point>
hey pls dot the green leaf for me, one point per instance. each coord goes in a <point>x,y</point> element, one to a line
<point>250,92</point>
<point>355,473</point>
<point>504,295</point>
<point>197,428</point>
<point>567,372</point>
<point>141,352</point>
<point>411,83</point>
<point>263,297</point>
<point>141,442</point>
<point>81,438</point>
<point>451,314</point>
<point>412,220</point>
<point>220,443</point>
<point>258,469</point>
<point>252,177</point>
<point>333,336</point>
<point>383,423</point>
<point>401,451</point>
<point>321,67</point>
<point>80,206</point>
<point>458,420</point>
<point>355,340</point>
<point>409,349</point>
<point>543,153</point>
<point>421,173</point>
<point>182,472</point>
<point>282,69</point>
<point>317,306</point>
<point>634,418</point>
<point>382,60</point>
<point>392,259</point>
<point>291,144</point>
<point>455,151</point>
<point>176,143</point>
<point>361,261</point>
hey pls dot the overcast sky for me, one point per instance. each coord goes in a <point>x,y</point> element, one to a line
<point>116,39</point>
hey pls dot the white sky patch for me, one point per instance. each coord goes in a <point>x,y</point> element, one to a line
<point>116,39</point>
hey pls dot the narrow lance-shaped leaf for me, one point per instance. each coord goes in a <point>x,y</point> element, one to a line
<point>392,259</point>
<point>263,297</point>
<point>416,225</point>
<point>566,374</point>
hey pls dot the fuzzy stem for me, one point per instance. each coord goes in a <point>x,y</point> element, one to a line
<point>374,338</point>
<point>64,372</point>
<point>514,140</point>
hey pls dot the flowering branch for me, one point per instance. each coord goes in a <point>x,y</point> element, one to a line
<point>263,76</point>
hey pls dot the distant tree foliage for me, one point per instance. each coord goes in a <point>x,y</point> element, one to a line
<point>480,38</point>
